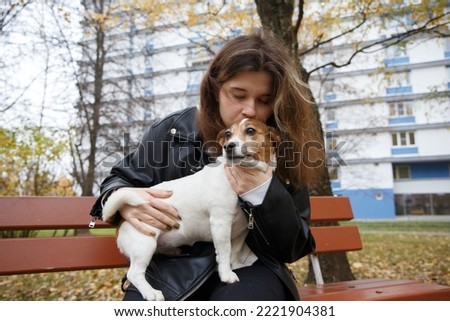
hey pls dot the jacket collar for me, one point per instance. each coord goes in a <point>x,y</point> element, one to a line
<point>184,126</point>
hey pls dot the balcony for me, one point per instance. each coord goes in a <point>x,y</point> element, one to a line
<point>390,62</point>
<point>402,120</point>
<point>329,97</point>
<point>399,90</point>
<point>406,150</point>
<point>331,124</point>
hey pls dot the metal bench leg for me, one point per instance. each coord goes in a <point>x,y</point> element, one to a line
<point>316,269</point>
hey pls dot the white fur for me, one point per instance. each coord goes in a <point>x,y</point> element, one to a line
<point>209,210</point>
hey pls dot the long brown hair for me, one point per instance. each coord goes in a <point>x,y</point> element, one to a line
<point>301,152</point>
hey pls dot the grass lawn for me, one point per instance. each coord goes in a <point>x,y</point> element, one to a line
<point>398,249</point>
<point>406,249</point>
<point>402,226</point>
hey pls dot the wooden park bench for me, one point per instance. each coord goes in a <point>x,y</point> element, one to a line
<point>346,238</point>
<point>86,251</point>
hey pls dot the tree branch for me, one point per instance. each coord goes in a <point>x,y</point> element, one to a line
<point>3,21</point>
<point>317,44</point>
<point>384,43</point>
<point>301,12</point>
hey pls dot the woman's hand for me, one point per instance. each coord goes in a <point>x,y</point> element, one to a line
<point>154,212</point>
<point>245,179</point>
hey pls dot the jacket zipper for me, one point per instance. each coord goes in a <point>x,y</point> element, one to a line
<point>252,224</point>
<point>251,220</point>
<point>92,222</point>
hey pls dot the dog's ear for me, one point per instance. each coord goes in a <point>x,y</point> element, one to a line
<point>214,149</point>
<point>275,138</point>
<point>221,137</point>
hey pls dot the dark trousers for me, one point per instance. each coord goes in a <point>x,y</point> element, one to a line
<point>257,283</point>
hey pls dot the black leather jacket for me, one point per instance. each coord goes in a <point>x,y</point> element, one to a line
<point>171,149</point>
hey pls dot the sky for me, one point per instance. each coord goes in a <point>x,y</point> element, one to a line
<point>35,72</point>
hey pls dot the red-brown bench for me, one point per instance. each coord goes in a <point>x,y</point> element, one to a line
<point>345,238</point>
<point>85,251</point>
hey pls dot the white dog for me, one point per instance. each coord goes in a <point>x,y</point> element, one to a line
<point>207,205</point>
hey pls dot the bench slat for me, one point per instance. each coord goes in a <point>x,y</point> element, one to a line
<point>46,212</point>
<point>51,254</point>
<point>375,289</point>
<point>330,288</point>
<point>42,212</point>
<point>330,208</point>
<point>336,238</point>
<point>33,255</point>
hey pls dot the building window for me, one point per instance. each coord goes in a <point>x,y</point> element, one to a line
<point>333,172</point>
<point>422,204</point>
<point>403,144</point>
<point>331,143</point>
<point>402,172</point>
<point>396,55</point>
<point>400,79</point>
<point>401,113</point>
<point>331,122</point>
<point>447,48</point>
<point>335,176</point>
<point>236,32</point>
<point>148,92</point>
<point>403,139</point>
<point>400,21</point>
<point>193,87</point>
<point>328,57</point>
<point>331,115</point>
<point>400,108</point>
<point>148,115</point>
<point>149,45</point>
<point>197,56</point>
<point>399,83</point>
<point>328,90</point>
<point>448,75</point>
<point>395,51</point>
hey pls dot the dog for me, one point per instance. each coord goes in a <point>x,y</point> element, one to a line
<point>207,205</point>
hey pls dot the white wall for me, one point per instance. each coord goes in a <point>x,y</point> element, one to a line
<point>433,141</point>
<point>366,176</point>
<point>423,186</point>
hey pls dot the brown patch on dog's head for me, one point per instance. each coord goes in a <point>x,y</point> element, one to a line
<point>214,149</point>
<point>221,137</point>
<point>250,139</point>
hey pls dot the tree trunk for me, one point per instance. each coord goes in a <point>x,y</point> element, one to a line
<point>90,112</point>
<point>278,16</point>
<point>94,127</point>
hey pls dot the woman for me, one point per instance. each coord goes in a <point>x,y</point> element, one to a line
<point>252,76</point>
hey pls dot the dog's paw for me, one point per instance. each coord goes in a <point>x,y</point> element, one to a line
<point>228,277</point>
<point>153,295</point>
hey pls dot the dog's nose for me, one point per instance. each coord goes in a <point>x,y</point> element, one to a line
<point>229,147</point>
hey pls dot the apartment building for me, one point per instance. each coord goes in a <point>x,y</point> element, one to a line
<point>386,116</point>
<point>148,73</point>
<point>387,124</point>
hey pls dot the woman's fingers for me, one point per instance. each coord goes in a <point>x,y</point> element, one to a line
<point>155,213</point>
<point>162,206</point>
<point>161,212</point>
<point>141,227</point>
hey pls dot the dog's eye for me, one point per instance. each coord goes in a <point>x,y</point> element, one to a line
<point>228,133</point>
<point>250,131</point>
